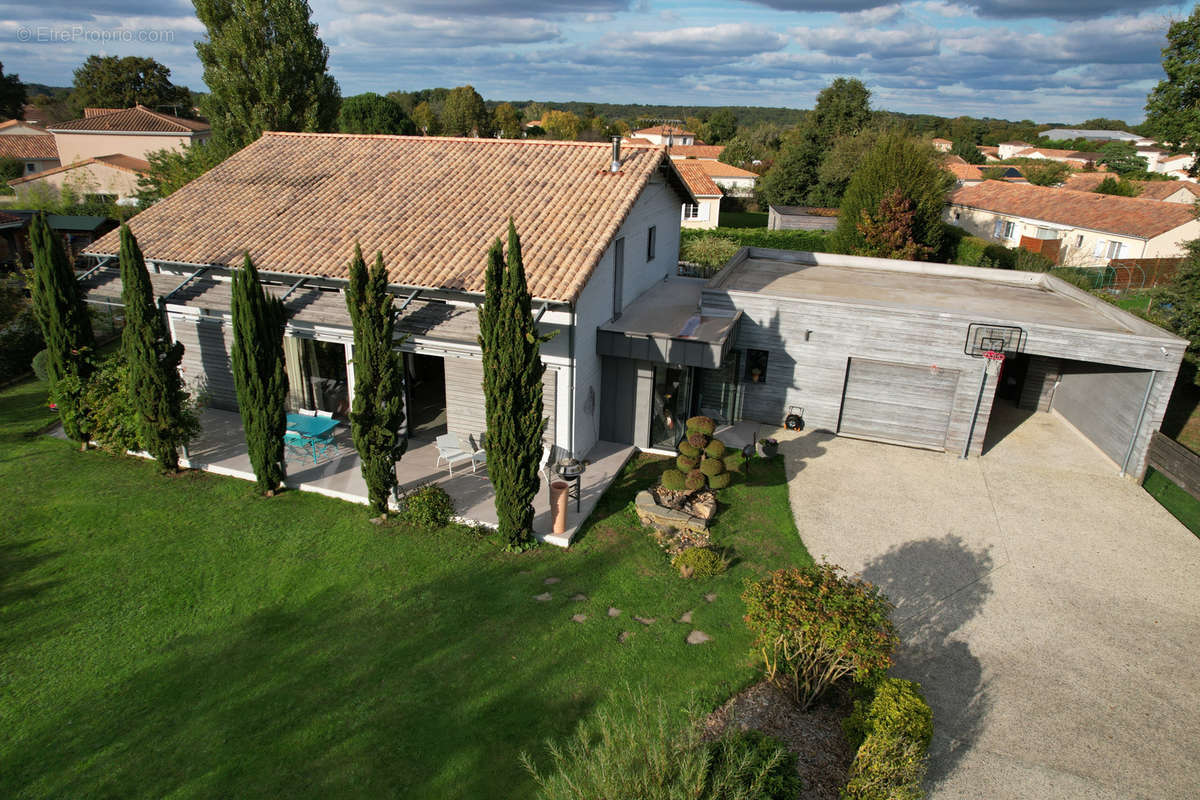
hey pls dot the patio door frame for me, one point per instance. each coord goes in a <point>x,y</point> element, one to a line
<point>331,336</point>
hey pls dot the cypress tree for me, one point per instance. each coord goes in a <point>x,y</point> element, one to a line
<point>164,421</point>
<point>512,386</point>
<point>258,374</point>
<point>378,410</point>
<point>66,327</point>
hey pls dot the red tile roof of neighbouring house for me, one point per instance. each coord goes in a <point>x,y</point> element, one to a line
<point>29,147</point>
<point>1127,216</point>
<point>964,171</point>
<point>1051,153</point>
<point>663,130</point>
<point>138,119</point>
<point>712,151</point>
<point>298,202</point>
<point>698,180</point>
<point>116,160</point>
<point>1150,190</point>
<point>719,169</point>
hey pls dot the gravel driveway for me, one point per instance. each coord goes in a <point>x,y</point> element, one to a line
<point>1050,608</point>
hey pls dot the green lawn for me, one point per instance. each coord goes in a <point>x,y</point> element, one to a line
<point>1182,505</point>
<point>743,219</point>
<point>179,636</point>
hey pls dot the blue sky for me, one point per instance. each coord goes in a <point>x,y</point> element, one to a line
<point>1046,60</point>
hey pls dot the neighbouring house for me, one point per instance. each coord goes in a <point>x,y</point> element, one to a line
<point>29,144</point>
<point>1167,191</point>
<point>669,135</point>
<point>135,132</point>
<point>877,349</point>
<point>1076,158</point>
<point>801,218</point>
<point>1062,134</point>
<point>703,210</point>
<point>76,230</point>
<point>113,177</point>
<point>712,152</point>
<point>941,145</point>
<point>734,181</point>
<point>1071,227</point>
<point>990,152</point>
<point>1007,150</point>
<point>968,174</point>
<point>299,220</point>
<point>1177,165</point>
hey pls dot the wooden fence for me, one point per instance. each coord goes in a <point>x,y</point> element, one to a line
<point>1176,462</point>
<point>1141,273</point>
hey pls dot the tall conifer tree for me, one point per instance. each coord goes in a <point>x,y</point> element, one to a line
<point>164,421</point>
<point>59,308</point>
<point>378,410</point>
<point>512,387</point>
<point>258,374</point>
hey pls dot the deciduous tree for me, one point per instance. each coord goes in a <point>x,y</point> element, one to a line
<point>464,113</point>
<point>378,410</point>
<point>266,69</point>
<point>512,388</point>
<point>1045,172</point>
<point>122,82</point>
<point>561,125</point>
<point>508,121</point>
<point>59,308</point>
<point>165,421</point>
<point>1122,158</point>
<point>888,232</point>
<point>721,126</point>
<point>258,374</point>
<point>426,120</point>
<point>373,113</point>
<point>171,169</point>
<point>967,151</point>
<point>1173,106</point>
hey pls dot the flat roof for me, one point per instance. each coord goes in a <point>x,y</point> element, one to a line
<point>671,310</point>
<point>987,294</point>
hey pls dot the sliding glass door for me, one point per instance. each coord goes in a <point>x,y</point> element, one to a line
<point>317,375</point>
<point>671,405</point>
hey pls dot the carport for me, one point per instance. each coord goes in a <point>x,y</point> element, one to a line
<point>892,351</point>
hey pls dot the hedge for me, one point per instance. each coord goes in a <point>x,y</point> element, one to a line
<point>810,241</point>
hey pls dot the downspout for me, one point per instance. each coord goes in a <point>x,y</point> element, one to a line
<point>1137,428</point>
<point>574,369</point>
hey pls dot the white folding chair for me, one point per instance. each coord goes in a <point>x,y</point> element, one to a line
<point>451,451</point>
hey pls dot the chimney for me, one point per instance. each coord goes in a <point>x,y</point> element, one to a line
<point>615,166</point>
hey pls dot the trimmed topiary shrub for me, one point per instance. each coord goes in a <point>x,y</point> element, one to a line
<point>697,440</point>
<point>686,448</point>
<point>703,425</point>
<point>720,481</point>
<point>428,507</point>
<point>813,626</point>
<point>38,365</point>
<point>700,562</point>
<point>686,463</point>
<point>673,479</point>
<point>715,449</point>
<point>892,732</point>
<point>711,466</point>
<point>694,481</point>
<point>758,751</point>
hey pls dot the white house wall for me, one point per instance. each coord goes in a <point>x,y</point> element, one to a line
<point>1170,244</point>
<point>709,214</point>
<point>1078,245</point>
<point>658,205</point>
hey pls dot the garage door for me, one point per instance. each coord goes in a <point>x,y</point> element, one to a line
<point>898,403</point>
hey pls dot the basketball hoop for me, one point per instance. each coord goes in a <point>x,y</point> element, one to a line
<point>993,361</point>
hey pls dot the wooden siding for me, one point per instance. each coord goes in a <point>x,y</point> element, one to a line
<point>899,403</point>
<point>788,220</point>
<point>466,412</point>
<point>206,365</point>
<point>1103,402</point>
<point>1040,380</point>
<point>1176,462</point>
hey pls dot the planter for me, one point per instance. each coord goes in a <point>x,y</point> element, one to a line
<point>767,449</point>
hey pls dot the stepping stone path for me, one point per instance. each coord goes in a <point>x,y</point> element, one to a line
<point>543,597</point>
<point>525,572</point>
<point>645,620</point>
<point>711,596</point>
<point>698,637</point>
<point>686,618</point>
<point>579,618</point>
<point>614,612</point>
<point>624,635</point>
<point>579,598</point>
<point>550,581</point>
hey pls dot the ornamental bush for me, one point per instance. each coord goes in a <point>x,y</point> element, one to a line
<point>712,466</point>
<point>758,751</point>
<point>673,480</point>
<point>704,425</point>
<point>697,439</point>
<point>694,481</point>
<point>813,627</point>
<point>700,562</point>
<point>715,449</point>
<point>428,507</point>
<point>113,415</point>
<point>892,732</point>
<point>686,463</point>
<point>720,481</point>
<point>686,448</point>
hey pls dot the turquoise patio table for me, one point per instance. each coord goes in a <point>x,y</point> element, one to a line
<point>310,433</point>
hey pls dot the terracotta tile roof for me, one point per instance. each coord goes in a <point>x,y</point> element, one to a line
<point>117,161</point>
<point>940,140</point>
<point>964,171</point>
<point>298,203</point>
<point>697,179</point>
<point>139,119</point>
<point>663,130</point>
<point>955,159</point>
<point>1051,153</point>
<point>1176,157</point>
<point>987,148</point>
<point>1127,216</point>
<point>1017,141</point>
<point>12,123</point>
<point>639,142</point>
<point>1084,181</point>
<point>94,111</point>
<point>717,169</point>
<point>29,147</point>
<point>712,151</point>
<point>1161,190</point>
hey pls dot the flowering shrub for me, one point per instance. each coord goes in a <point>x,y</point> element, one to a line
<point>814,626</point>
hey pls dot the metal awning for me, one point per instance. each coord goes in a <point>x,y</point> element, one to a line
<point>664,326</point>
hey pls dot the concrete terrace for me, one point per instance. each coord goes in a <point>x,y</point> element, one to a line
<point>221,448</point>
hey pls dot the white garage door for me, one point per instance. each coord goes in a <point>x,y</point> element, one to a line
<point>899,403</point>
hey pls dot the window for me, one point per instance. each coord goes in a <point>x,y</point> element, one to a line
<point>1117,249</point>
<point>650,237</point>
<point>1004,229</point>
<point>691,211</point>
<point>1079,240</point>
<point>31,167</point>
<point>756,366</point>
<point>618,275</point>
